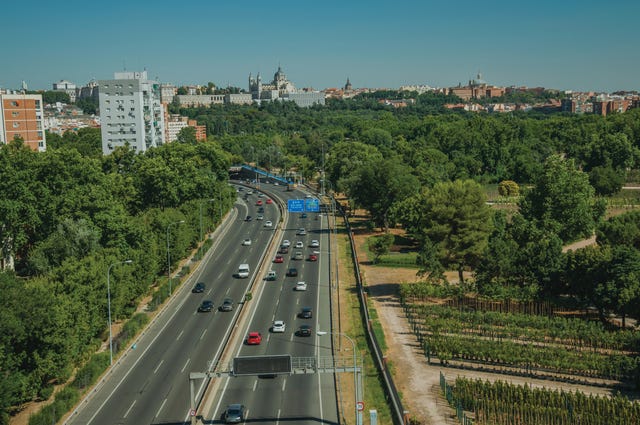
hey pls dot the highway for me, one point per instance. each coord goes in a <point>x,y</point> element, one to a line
<point>149,385</point>
<point>300,398</point>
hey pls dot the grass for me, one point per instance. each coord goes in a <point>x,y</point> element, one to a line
<point>374,395</point>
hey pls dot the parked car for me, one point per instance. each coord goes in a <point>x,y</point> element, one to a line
<point>206,306</point>
<point>227,305</point>
<point>278,326</point>
<point>254,338</point>
<point>199,288</point>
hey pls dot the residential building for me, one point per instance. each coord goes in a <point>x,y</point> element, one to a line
<point>131,112</point>
<point>167,92</point>
<point>21,115</point>
<point>175,123</point>
<point>89,91</point>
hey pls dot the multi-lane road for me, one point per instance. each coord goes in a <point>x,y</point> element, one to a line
<point>150,384</point>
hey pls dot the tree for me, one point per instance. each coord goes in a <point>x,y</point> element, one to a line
<point>606,180</point>
<point>623,229</point>
<point>187,135</point>
<point>508,188</point>
<point>380,245</point>
<point>454,217</point>
<point>377,185</point>
<point>563,200</point>
<point>344,158</point>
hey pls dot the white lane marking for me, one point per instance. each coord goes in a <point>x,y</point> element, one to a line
<point>210,290</point>
<point>227,293</point>
<point>246,416</point>
<point>179,335</point>
<point>291,337</point>
<point>129,409</point>
<point>278,417</point>
<point>284,384</point>
<point>255,384</point>
<point>202,336</point>
<point>161,406</point>
<point>268,337</point>
<point>185,365</point>
<point>158,367</point>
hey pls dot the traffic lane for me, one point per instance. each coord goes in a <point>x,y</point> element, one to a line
<point>141,407</point>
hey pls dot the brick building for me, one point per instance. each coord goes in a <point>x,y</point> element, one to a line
<point>22,115</point>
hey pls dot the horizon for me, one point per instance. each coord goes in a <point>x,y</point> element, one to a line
<point>577,46</point>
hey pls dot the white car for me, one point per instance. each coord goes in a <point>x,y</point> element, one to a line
<point>278,326</point>
<point>246,242</point>
<point>286,243</point>
<point>300,286</point>
<point>314,244</point>
<point>308,196</point>
<point>301,231</point>
<point>260,217</point>
<point>268,224</point>
<point>299,244</point>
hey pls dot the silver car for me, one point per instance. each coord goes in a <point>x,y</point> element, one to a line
<point>234,413</point>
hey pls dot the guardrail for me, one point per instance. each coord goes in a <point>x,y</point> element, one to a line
<point>390,388</point>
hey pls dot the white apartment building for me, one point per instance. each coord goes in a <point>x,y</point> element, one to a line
<point>174,124</point>
<point>131,112</point>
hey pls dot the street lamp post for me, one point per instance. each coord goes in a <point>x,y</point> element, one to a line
<point>169,253</point>
<point>355,366</point>
<point>109,305</point>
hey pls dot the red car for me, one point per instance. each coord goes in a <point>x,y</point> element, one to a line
<point>313,257</point>
<point>279,259</point>
<point>254,338</point>
<point>259,202</point>
<point>269,201</point>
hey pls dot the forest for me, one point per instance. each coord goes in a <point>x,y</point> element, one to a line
<point>69,213</point>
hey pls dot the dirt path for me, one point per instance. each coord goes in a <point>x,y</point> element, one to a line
<point>417,381</point>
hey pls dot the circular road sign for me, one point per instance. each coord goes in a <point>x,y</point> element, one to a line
<point>192,412</point>
<point>360,406</point>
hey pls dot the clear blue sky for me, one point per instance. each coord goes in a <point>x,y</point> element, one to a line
<point>565,44</point>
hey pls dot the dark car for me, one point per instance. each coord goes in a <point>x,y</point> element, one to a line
<point>206,306</point>
<point>303,215</point>
<point>261,209</point>
<point>234,413</point>
<point>283,250</point>
<point>227,305</point>
<point>247,218</point>
<point>292,271</point>
<point>304,330</point>
<point>306,313</point>
<point>199,288</point>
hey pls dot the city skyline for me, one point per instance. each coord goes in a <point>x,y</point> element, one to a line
<point>571,45</point>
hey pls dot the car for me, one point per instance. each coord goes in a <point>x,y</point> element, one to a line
<point>249,192</point>
<point>279,259</point>
<point>283,250</point>
<point>199,288</point>
<point>254,338</point>
<point>261,210</point>
<point>299,244</point>
<point>292,272</point>
<point>278,326</point>
<point>301,232</point>
<point>271,276</point>
<point>260,195</point>
<point>314,244</point>
<point>286,243</point>
<point>260,217</point>
<point>227,305</point>
<point>268,223</point>
<point>300,286</point>
<point>304,330</point>
<point>235,413</point>
<point>306,313</point>
<point>269,201</point>
<point>313,257</point>
<point>206,306</point>
<point>259,202</point>
<point>303,215</point>
<point>308,196</point>
<point>248,218</point>
<point>246,242</point>
<point>240,189</point>
<point>276,184</point>
<point>298,255</point>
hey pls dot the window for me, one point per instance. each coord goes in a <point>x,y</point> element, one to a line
<point>14,103</point>
<point>15,113</point>
<point>16,124</point>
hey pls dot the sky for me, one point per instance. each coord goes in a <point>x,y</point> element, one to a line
<point>563,44</point>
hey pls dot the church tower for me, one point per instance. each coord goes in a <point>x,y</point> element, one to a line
<point>347,87</point>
